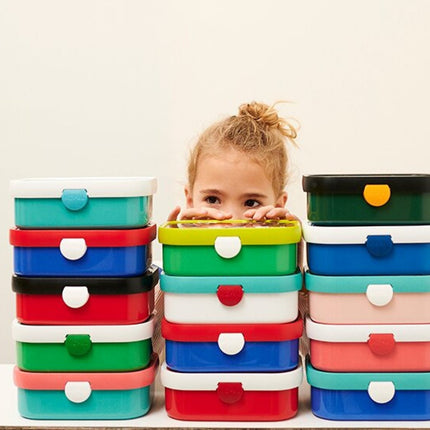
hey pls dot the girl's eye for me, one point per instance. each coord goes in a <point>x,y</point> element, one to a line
<point>251,203</point>
<point>212,200</point>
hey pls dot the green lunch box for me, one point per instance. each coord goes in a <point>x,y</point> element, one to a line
<point>368,199</point>
<point>93,348</point>
<point>229,248</point>
<point>92,202</point>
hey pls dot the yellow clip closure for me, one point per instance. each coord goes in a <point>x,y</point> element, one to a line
<point>377,194</point>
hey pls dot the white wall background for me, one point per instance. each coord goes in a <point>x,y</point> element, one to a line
<point>108,88</point>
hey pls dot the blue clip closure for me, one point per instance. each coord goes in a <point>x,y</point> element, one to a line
<point>74,200</point>
<point>379,245</point>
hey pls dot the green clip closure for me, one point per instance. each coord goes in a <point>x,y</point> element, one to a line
<point>74,199</point>
<point>78,345</point>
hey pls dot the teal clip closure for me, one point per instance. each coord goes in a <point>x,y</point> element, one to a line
<point>74,200</point>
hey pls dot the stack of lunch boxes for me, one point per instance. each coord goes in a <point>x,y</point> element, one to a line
<point>368,246</point>
<point>231,321</point>
<point>84,297</point>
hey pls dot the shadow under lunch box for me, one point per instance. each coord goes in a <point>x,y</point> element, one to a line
<point>232,347</point>
<point>123,202</point>
<point>231,396</point>
<point>229,248</point>
<point>369,299</point>
<point>369,348</point>
<point>82,252</point>
<point>78,348</point>
<point>368,199</point>
<point>369,396</point>
<point>368,250</point>
<point>126,300</point>
<point>231,299</point>
<point>85,396</point>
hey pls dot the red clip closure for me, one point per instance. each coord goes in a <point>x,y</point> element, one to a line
<point>381,343</point>
<point>229,392</point>
<point>230,295</point>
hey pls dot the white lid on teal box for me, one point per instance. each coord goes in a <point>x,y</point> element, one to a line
<point>94,186</point>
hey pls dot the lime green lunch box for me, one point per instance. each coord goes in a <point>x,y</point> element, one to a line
<point>229,248</point>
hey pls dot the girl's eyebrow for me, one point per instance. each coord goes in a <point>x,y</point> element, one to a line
<point>253,195</point>
<point>211,191</point>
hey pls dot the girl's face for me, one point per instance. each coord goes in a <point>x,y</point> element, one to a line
<point>232,182</point>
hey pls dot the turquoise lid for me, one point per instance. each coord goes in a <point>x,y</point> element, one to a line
<point>359,284</point>
<point>360,381</point>
<point>250,284</point>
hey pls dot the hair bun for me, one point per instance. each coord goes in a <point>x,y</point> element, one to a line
<point>268,117</point>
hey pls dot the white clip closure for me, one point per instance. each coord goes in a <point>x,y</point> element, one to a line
<point>75,297</point>
<point>381,391</point>
<point>379,294</point>
<point>228,246</point>
<point>73,249</point>
<point>77,392</point>
<point>231,343</point>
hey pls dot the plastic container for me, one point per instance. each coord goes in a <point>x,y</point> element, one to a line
<point>47,301</point>
<point>85,396</point>
<point>232,248</point>
<point>370,396</point>
<point>123,202</point>
<point>368,199</point>
<point>63,253</point>
<point>231,396</point>
<point>232,347</point>
<point>368,250</point>
<point>98,348</point>
<point>231,299</point>
<point>369,348</point>
<point>369,299</point>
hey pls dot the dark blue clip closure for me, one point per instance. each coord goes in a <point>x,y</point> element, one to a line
<point>74,200</point>
<point>379,245</point>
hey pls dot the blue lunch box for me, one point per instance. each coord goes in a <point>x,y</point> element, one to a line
<point>369,250</point>
<point>369,396</point>
<point>82,252</point>
<point>232,347</point>
<point>122,202</point>
<point>85,396</point>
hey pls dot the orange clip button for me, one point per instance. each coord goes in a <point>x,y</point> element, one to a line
<point>377,194</point>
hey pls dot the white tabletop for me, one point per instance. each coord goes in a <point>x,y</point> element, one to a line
<point>157,417</point>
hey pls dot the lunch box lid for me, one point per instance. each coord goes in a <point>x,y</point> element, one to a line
<point>93,186</point>
<point>96,333</point>
<point>342,184</point>
<point>367,284</point>
<point>275,381</point>
<point>93,238</point>
<point>99,286</point>
<point>78,380</point>
<point>234,332</point>
<point>249,284</point>
<point>206,232</point>
<point>344,235</point>
<point>372,333</point>
<point>362,380</point>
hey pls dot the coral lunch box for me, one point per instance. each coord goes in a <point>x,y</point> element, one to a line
<point>232,347</point>
<point>369,396</point>
<point>85,396</point>
<point>58,301</point>
<point>369,299</point>
<point>231,396</point>
<point>98,348</point>
<point>229,248</point>
<point>368,199</point>
<point>231,299</point>
<point>123,202</point>
<point>368,250</point>
<point>63,253</point>
<point>369,348</point>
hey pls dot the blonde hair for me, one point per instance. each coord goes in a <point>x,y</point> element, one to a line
<point>257,131</point>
